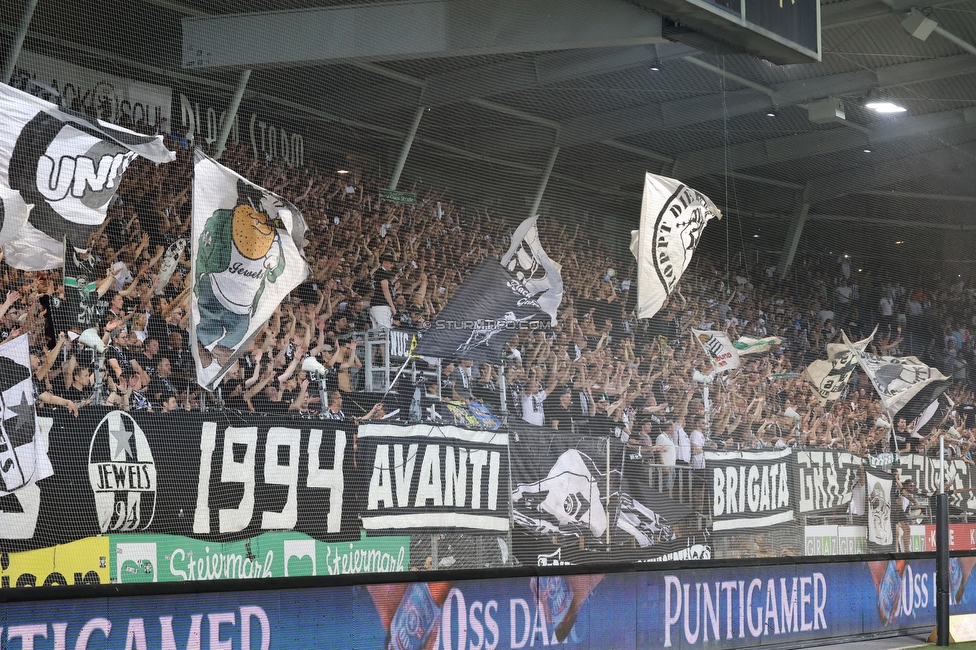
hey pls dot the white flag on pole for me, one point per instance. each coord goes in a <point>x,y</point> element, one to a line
<point>899,380</point>
<point>673,217</point>
<point>829,377</point>
<point>718,348</point>
<point>246,256</point>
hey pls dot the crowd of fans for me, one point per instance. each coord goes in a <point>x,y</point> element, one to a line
<point>598,364</point>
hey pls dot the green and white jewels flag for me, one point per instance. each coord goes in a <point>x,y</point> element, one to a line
<point>246,256</point>
<point>750,345</point>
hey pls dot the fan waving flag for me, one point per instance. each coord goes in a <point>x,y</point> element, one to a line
<point>497,300</point>
<point>718,348</point>
<point>829,377</point>
<point>246,255</point>
<point>905,385</point>
<point>64,165</point>
<point>673,217</point>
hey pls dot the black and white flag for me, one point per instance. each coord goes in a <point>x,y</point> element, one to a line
<point>673,217</point>
<point>829,377</point>
<point>904,384</point>
<point>78,309</point>
<point>718,348</point>
<point>59,171</point>
<point>23,450</point>
<point>498,300</point>
<point>825,480</point>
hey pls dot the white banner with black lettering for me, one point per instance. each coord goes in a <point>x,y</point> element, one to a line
<point>751,489</point>
<point>433,477</point>
<point>825,479</point>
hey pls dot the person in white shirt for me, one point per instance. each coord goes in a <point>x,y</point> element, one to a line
<point>532,400</point>
<point>681,442</point>
<point>697,441</point>
<point>668,455</point>
<point>886,305</point>
<point>699,480</point>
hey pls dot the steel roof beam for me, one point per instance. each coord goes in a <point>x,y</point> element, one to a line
<point>407,30</point>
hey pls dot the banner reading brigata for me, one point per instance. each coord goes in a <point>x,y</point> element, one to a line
<point>750,489</point>
<point>717,608</point>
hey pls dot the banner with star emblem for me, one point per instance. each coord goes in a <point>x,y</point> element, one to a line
<point>23,453</point>
<point>209,476</point>
<point>23,444</point>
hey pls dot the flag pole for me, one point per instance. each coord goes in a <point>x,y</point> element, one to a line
<point>942,578</point>
<point>502,389</point>
<point>18,44</point>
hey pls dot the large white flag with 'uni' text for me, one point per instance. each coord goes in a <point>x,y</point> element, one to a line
<point>59,171</point>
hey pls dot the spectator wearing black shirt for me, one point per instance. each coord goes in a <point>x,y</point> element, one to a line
<point>561,417</point>
<point>138,399</point>
<point>163,382</point>
<point>145,356</point>
<point>382,305</point>
<point>117,354</point>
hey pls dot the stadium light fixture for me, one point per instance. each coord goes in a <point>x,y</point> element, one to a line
<point>885,107</point>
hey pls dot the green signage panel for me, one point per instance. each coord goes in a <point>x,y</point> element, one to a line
<point>407,198</point>
<point>172,558</point>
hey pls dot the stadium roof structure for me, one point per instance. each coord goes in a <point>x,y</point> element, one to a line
<point>789,152</point>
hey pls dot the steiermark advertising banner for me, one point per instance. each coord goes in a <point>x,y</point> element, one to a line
<point>172,558</point>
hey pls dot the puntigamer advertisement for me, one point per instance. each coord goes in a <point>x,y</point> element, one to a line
<point>705,608</point>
